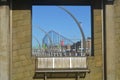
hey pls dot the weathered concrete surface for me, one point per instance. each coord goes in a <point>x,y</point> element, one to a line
<point>22,62</point>
<point>4,43</point>
<point>117,38</point>
<point>113,40</point>
<point>63,63</point>
<point>110,42</point>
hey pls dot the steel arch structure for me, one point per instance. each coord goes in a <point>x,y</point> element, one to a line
<point>79,26</point>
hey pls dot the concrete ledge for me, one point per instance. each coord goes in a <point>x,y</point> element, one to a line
<point>63,70</point>
<point>60,73</point>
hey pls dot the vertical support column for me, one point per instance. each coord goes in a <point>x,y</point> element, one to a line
<point>117,38</point>
<point>110,42</point>
<point>97,70</point>
<point>45,76</point>
<point>78,76</point>
<point>4,42</point>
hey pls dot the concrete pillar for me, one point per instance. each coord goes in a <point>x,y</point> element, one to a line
<point>4,42</point>
<point>110,42</point>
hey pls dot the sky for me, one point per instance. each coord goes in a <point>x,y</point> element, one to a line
<point>54,18</point>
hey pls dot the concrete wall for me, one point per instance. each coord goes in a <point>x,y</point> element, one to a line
<point>112,15</point>
<point>96,62</point>
<point>4,43</point>
<point>22,62</point>
<point>110,42</point>
<point>117,38</point>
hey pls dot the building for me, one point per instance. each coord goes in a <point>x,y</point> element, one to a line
<point>88,46</point>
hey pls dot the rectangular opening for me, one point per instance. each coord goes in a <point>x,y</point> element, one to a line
<point>61,31</point>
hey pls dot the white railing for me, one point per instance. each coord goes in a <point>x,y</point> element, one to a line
<point>56,53</point>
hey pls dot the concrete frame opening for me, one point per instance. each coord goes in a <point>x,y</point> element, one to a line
<point>84,42</point>
<point>56,69</point>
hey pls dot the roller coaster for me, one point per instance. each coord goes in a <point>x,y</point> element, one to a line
<point>54,44</point>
